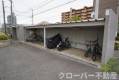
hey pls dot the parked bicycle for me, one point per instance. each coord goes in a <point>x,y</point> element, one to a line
<point>93,50</point>
<point>97,50</point>
<point>63,44</point>
<point>89,49</point>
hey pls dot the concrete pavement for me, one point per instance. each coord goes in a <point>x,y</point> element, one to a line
<point>21,62</point>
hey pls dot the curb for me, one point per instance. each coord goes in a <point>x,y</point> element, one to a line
<point>70,57</point>
<point>4,43</point>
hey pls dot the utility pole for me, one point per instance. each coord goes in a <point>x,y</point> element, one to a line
<point>11,10</point>
<point>4,16</point>
<point>32,17</point>
<point>11,19</point>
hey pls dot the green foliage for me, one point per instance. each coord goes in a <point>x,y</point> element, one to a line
<point>106,68</point>
<point>116,46</point>
<point>111,66</point>
<point>114,63</point>
<point>117,42</point>
<point>117,38</point>
<point>76,18</point>
<point>118,34</point>
<point>3,36</point>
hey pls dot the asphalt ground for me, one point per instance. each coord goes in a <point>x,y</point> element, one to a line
<point>22,62</point>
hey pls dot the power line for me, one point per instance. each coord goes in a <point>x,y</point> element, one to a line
<point>26,20</point>
<point>71,1</point>
<point>55,7</point>
<point>32,16</point>
<point>25,16</point>
<point>43,5</point>
<point>21,12</point>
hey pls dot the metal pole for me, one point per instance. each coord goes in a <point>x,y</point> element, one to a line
<point>11,9</point>
<point>32,17</point>
<point>44,37</point>
<point>4,16</point>
<point>11,19</point>
<point>96,9</point>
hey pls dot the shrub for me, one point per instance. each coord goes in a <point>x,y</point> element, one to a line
<point>117,38</point>
<point>111,66</point>
<point>117,34</point>
<point>116,46</point>
<point>106,68</point>
<point>3,36</point>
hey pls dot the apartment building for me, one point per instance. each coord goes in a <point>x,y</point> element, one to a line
<point>83,14</point>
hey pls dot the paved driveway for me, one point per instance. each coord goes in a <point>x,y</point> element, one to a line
<point>21,62</point>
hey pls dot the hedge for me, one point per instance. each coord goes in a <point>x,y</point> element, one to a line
<point>117,38</point>
<point>3,36</point>
<point>116,46</point>
<point>111,66</point>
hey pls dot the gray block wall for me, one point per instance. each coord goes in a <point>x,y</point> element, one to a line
<point>110,31</point>
<point>103,5</point>
<point>77,36</point>
<point>29,33</point>
<point>20,33</point>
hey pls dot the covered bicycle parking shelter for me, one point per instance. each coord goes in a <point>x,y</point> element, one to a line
<point>80,32</point>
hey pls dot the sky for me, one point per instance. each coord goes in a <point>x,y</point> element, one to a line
<point>23,9</point>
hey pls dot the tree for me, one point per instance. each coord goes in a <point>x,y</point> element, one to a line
<point>75,18</point>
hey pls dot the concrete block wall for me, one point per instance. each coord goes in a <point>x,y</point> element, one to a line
<point>110,30</point>
<point>20,33</point>
<point>28,32</point>
<point>77,36</point>
<point>100,6</point>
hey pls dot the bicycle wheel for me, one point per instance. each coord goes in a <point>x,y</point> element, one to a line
<point>59,49</point>
<point>94,57</point>
<point>94,54</point>
<point>87,53</point>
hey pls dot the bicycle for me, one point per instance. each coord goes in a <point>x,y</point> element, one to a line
<point>89,49</point>
<point>97,50</point>
<point>64,44</point>
<point>93,50</point>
